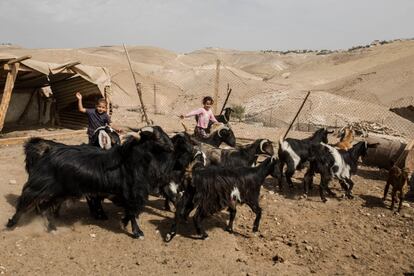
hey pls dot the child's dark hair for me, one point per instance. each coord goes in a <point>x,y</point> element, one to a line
<point>101,100</point>
<point>208,98</point>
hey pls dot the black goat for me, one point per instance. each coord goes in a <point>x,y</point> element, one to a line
<point>213,189</point>
<point>294,152</point>
<point>36,147</point>
<point>74,171</point>
<point>242,156</point>
<point>224,134</point>
<point>104,137</point>
<point>330,163</point>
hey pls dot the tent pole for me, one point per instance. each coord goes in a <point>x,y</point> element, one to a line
<point>8,88</point>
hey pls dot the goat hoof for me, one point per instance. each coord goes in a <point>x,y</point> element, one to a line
<point>11,224</point>
<point>228,229</point>
<point>350,196</point>
<point>324,200</point>
<point>170,236</point>
<point>255,229</point>
<point>51,228</point>
<point>138,235</point>
<point>204,236</point>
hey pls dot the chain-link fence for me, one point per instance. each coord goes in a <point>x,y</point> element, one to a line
<point>262,102</point>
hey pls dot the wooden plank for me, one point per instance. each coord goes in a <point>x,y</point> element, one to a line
<point>18,60</point>
<point>8,88</point>
<point>60,135</point>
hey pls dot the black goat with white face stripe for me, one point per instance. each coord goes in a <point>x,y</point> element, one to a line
<point>215,188</point>
<point>330,163</point>
<point>294,152</point>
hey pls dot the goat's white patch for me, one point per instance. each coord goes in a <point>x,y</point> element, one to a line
<point>344,170</point>
<point>104,140</point>
<point>173,187</point>
<point>235,194</point>
<point>203,155</point>
<point>286,147</point>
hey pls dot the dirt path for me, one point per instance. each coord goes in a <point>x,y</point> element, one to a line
<point>297,236</point>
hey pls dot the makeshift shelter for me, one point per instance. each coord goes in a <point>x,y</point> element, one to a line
<point>35,93</point>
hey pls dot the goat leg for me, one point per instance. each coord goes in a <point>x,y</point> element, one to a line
<point>401,199</point>
<point>198,218</point>
<point>351,185</point>
<point>387,186</point>
<point>95,207</point>
<point>136,231</point>
<point>232,212</point>
<point>258,211</point>
<point>393,198</point>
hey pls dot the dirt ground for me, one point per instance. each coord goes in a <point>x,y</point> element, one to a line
<point>297,236</point>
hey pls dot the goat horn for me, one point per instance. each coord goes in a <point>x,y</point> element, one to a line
<point>147,129</point>
<point>261,145</point>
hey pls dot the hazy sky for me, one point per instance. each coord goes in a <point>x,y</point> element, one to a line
<point>186,25</point>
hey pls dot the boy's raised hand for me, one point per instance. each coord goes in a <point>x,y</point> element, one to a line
<point>78,96</point>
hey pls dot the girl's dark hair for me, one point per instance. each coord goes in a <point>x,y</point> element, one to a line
<point>101,100</point>
<point>208,98</point>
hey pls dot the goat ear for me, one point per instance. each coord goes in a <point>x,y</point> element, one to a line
<point>133,129</point>
<point>374,145</point>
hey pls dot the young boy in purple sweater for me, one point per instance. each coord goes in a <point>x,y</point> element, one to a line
<point>97,116</point>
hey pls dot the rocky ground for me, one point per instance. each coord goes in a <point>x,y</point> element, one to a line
<point>297,236</point>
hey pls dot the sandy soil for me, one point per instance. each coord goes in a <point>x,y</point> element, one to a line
<point>297,236</point>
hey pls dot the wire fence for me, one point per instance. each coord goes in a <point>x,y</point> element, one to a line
<point>263,102</point>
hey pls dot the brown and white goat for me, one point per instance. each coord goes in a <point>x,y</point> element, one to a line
<point>347,137</point>
<point>397,178</point>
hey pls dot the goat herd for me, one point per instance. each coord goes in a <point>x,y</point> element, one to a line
<point>190,173</point>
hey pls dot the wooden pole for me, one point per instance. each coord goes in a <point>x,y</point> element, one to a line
<point>18,60</point>
<point>297,114</point>
<point>8,88</point>
<point>216,87</point>
<point>138,87</point>
<point>227,98</point>
<point>155,98</point>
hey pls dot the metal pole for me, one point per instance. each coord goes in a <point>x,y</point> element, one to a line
<point>216,88</point>
<point>227,98</point>
<point>297,114</point>
<point>137,85</point>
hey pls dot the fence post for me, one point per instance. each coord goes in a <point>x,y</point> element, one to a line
<point>216,87</point>
<point>155,99</point>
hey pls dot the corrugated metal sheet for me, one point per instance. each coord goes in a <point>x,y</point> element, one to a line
<point>66,102</point>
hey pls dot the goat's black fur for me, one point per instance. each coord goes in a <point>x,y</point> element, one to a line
<point>333,163</point>
<point>214,188</point>
<point>223,135</point>
<point>294,152</point>
<point>72,171</point>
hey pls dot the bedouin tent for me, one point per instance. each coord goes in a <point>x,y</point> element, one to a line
<point>34,93</point>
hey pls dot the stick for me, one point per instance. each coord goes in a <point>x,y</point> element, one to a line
<point>227,98</point>
<point>297,114</point>
<point>138,87</point>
